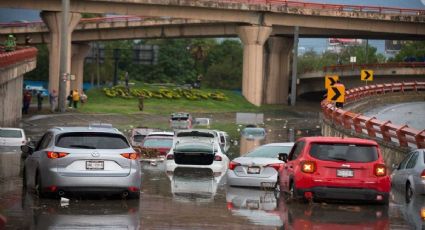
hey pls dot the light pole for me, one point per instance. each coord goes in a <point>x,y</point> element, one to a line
<point>63,56</point>
<point>117,53</point>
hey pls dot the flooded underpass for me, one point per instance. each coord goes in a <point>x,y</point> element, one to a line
<point>193,198</point>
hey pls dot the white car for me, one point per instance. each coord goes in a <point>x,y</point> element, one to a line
<point>12,137</point>
<point>260,167</point>
<point>196,149</point>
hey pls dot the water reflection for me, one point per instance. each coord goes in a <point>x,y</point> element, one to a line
<point>258,206</point>
<point>194,184</point>
<point>412,212</point>
<point>81,214</point>
<point>333,216</point>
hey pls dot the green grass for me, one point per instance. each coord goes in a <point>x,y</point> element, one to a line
<point>98,102</point>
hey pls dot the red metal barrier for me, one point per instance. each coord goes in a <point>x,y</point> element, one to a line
<point>371,126</point>
<point>21,54</point>
<point>334,68</point>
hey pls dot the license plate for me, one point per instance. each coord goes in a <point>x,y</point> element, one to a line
<point>94,165</point>
<point>344,173</point>
<point>253,170</point>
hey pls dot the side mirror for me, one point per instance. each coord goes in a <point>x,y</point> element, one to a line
<point>283,157</point>
<point>26,149</point>
<point>394,166</point>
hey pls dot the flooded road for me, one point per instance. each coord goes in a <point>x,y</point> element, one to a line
<point>198,199</point>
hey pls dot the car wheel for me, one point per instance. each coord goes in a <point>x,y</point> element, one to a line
<point>409,192</point>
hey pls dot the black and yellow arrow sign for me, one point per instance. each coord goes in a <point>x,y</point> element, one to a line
<point>366,75</point>
<point>330,80</point>
<point>336,93</point>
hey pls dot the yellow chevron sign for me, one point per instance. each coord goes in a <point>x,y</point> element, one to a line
<point>366,75</point>
<point>336,93</point>
<point>330,80</point>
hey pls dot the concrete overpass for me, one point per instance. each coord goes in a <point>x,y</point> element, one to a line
<point>350,75</point>
<point>269,21</point>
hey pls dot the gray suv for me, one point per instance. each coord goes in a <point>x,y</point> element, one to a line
<point>82,159</point>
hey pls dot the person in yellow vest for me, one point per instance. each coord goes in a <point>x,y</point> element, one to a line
<point>75,98</point>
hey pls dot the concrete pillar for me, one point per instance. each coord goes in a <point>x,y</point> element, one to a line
<point>53,22</point>
<point>253,38</point>
<point>277,80</point>
<point>79,53</point>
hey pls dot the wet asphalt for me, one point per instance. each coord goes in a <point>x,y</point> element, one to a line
<point>193,199</point>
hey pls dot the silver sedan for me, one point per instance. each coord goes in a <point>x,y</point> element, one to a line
<point>258,168</point>
<point>87,159</point>
<point>409,175</point>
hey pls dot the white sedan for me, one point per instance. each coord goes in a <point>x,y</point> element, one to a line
<point>258,168</point>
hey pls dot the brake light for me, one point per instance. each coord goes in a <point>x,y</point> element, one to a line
<point>277,166</point>
<point>55,155</point>
<point>380,170</point>
<point>170,157</point>
<point>423,175</point>
<point>218,158</point>
<point>131,156</point>
<point>423,213</point>
<point>308,166</point>
<point>232,165</point>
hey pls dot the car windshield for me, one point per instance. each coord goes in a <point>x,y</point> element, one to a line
<point>253,132</point>
<point>91,141</point>
<point>10,133</point>
<point>138,138</point>
<point>158,143</point>
<point>344,152</point>
<point>269,151</point>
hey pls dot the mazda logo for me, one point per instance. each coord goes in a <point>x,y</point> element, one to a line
<point>95,154</point>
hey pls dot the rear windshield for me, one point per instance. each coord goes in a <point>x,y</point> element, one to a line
<point>254,132</point>
<point>138,138</point>
<point>344,152</point>
<point>7,133</point>
<point>269,151</point>
<point>195,134</point>
<point>158,143</point>
<point>92,141</point>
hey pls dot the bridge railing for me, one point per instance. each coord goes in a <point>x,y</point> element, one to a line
<point>21,54</point>
<point>334,68</point>
<point>374,128</point>
<point>337,7</point>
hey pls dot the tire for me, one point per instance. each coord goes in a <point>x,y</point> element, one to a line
<point>409,192</point>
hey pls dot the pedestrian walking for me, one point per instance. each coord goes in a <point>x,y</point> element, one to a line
<point>26,101</point>
<point>75,98</point>
<point>83,98</point>
<point>69,98</point>
<point>39,100</point>
<point>53,98</point>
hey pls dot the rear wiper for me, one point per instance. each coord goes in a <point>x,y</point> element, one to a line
<point>338,158</point>
<point>83,146</point>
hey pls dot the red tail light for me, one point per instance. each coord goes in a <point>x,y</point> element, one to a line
<point>423,213</point>
<point>55,155</point>
<point>131,156</point>
<point>229,205</point>
<point>218,158</point>
<point>423,175</point>
<point>380,170</point>
<point>308,166</point>
<point>170,157</point>
<point>133,189</point>
<point>232,165</point>
<point>277,166</point>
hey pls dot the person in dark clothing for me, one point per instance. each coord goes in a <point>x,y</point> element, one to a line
<point>26,101</point>
<point>69,98</point>
<point>39,101</point>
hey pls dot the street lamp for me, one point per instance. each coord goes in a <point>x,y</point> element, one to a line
<point>117,54</point>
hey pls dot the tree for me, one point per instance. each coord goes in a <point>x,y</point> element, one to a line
<point>41,73</point>
<point>414,50</point>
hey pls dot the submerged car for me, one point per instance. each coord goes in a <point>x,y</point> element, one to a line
<point>181,121</point>
<point>12,137</point>
<point>82,159</point>
<point>137,135</point>
<point>252,133</point>
<point>162,144</point>
<point>258,168</point>
<point>196,149</point>
<point>409,175</point>
<point>333,168</point>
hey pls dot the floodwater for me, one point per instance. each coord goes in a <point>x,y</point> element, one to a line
<point>198,199</point>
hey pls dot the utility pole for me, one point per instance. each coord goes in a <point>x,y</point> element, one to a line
<point>63,56</point>
<point>294,67</point>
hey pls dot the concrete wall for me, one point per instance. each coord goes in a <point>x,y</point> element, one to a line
<point>11,84</point>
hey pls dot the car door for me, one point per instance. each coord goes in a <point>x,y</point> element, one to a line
<point>288,169</point>
<point>398,174</point>
<point>33,161</point>
<point>410,171</point>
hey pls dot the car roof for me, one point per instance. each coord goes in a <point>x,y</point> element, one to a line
<point>349,140</point>
<point>159,137</point>
<point>11,128</point>
<point>59,130</point>
<point>280,144</point>
<point>161,133</point>
<point>213,132</point>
